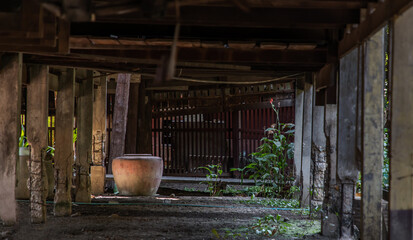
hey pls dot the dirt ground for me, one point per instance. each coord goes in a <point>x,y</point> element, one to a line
<point>172,216</point>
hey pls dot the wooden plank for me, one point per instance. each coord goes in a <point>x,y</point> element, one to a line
<point>37,116</point>
<point>401,170</point>
<point>64,155</point>
<point>117,143</point>
<point>10,93</point>
<point>84,120</point>
<point>372,148</point>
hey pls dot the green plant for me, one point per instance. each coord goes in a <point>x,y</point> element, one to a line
<point>23,139</point>
<point>215,185</point>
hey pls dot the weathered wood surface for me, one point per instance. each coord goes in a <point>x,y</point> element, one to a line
<point>64,155</point>
<point>372,137</point>
<point>84,139</point>
<point>347,166</point>
<point>330,226</point>
<point>401,181</point>
<point>10,93</point>
<point>318,163</point>
<point>298,134</point>
<point>346,145</point>
<point>99,122</point>
<point>132,120</point>
<point>306,144</point>
<point>117,144</point>
<point>37,117</point>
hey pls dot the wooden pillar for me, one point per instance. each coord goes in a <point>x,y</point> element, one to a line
<point>401,162</point>
<point>37,117</point>
<point>10,93</point>
<point>306,142</point>
<point>347,167</point>
<point>330,226</point>
<point>144,120</point>
<point>372,137</point>
<point>98,170</point>
<point>64,157</point>
<point>84,138</point>
<point>319,161</point>
<point>298,134</point>
<point>117,140</point>
<point>132,119</point>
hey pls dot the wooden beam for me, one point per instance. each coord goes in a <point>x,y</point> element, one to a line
<point>401,168</point>
<point>132,119</point>
<point>372,137</point>
<point>10,93</point>
<point>209,55</point>
<point>64,155</point>
<point>373,22</point>
<point>37,118</point>
<point>256,17</point>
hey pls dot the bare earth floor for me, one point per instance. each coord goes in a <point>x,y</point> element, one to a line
<point>158,217</point>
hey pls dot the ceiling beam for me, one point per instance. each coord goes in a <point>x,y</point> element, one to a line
<point>215,55</point>
<point>373,22</point>
<point>256,17</point>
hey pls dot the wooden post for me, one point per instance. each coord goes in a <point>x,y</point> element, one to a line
<point>132,122</point>
<point>144,120</point>
<point>330,226</point>
<point>117,140</point>
<point>64,157</point>
<point>306,142</point>
<point>372,137</point>
<point>347,169</point>
<point>98,171</point>
<point>10,93</point>
<point>84,138</point>
<point>37,117</point>
<point>298,134</point>
<point>318,157</point>
<point>401,163</point>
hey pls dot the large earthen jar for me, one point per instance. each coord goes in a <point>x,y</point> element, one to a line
<point>137,174</point>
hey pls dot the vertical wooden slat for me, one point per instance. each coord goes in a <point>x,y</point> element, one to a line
<point>306,143</point>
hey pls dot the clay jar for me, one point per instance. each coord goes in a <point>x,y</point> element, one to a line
<point>137,174</point>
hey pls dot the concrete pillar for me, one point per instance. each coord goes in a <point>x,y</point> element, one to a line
<point>306,142</point>
<point>298,134</point>
<point>319,160</point>
<point>64,156</point>
<point>84,138</point>
<point>372,137</point>
<point>98,170</point>
<point>37,117</point>
<point>347,166</point>
<point>117,140</point>
<point>401,163</point>
<point>330,226</point>
<point>10,93</point>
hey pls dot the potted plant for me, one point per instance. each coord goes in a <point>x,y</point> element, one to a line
<point>22,167</point>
